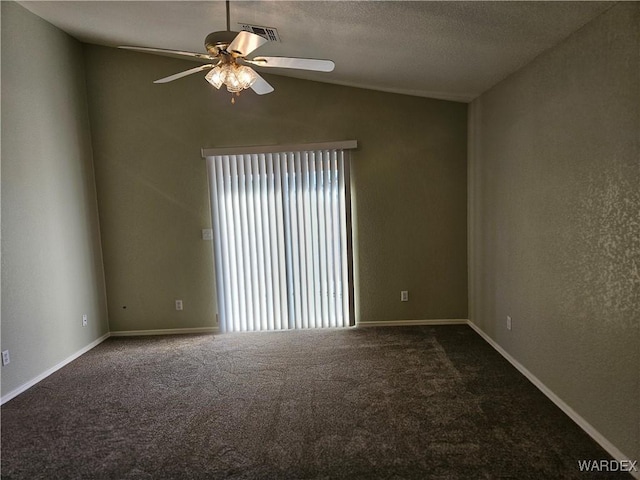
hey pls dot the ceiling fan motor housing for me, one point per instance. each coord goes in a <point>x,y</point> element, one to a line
<point>217,42</point>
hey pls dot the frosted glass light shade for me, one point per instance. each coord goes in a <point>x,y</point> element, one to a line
<point>215,76</point>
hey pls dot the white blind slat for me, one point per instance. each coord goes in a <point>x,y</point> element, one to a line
<point>317,252</point>
<point>260,311</point>
<point>302,240</point>
<point>282,320</point>
<point>273,240</point>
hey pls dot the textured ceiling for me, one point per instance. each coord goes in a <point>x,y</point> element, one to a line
<point>449,50</point>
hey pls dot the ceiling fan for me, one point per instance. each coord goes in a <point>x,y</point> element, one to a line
<point>227,56</point>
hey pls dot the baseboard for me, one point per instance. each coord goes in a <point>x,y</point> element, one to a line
<point>582,423</point>
<point>55,368</point>
<point>413,323</point>
<point>166,331</point>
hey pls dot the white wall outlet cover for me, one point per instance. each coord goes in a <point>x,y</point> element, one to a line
<point>207,234</point>
<point>508,322</point>
<point>178,304</point>
<point>404,296</point>
<point>84,320</point>
<point>5,358</point>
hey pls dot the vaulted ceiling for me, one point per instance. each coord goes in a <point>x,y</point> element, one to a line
<point>448,50</point>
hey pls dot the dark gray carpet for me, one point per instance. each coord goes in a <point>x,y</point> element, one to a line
<point>414,402</point>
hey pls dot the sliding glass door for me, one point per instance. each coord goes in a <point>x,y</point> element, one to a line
<point>282,238</point>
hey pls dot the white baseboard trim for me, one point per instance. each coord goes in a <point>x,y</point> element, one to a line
<point>413,323</point>
<point>582,423</point>
<point>55,368</point>
<point>166,331</point>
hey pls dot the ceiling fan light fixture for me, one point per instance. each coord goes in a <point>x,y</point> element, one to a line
<point>235,77</point>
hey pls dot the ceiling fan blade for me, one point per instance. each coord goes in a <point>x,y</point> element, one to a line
<point>176,76</point>
<point>245,43</point>
<point>261,86</point>
<point>299,63</point>
<point>201,56</point>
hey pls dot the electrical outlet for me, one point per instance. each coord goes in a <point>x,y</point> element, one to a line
<point>178,304</point>
<point>5,358</point>
<point>84,319</point>
<point>207,234</point>
<point>404,296</point>
<point>508,322</point>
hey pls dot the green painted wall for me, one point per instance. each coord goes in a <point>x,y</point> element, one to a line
<point>409,186</point>
<point>554,221</point>
<point>51,259</point>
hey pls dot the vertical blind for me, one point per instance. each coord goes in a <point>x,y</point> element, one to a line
<point>280,239</point>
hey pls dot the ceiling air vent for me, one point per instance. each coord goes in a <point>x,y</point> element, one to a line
<point>268,33</point>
